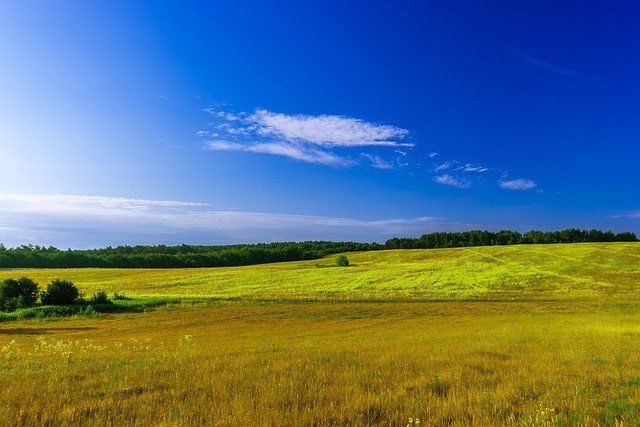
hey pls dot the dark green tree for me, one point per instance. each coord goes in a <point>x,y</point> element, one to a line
<point>60,292</point>
<point>19,293</point>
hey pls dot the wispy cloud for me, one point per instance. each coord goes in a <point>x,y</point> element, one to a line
<point>292,151</point>
<point>312,139</point>
<point>327,130</point>
<point>447,179</point>
<point>90,221</point>
<point>473,168</point>
<point>463,175</point>
<point>547,66</point>
<point>444,166</point>
<point>517,184</point>
<point>628,214</point>
<point>377,161</point>
<point>85,204</point>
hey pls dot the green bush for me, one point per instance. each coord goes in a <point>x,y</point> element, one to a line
<point>15,294</point>
<point>342,261</point>
<point>60,292</point>
<point>100,297</point>
<point>120,297</point>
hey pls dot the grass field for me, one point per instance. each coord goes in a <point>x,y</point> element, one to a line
<point>518,335</point>
<point>566,271</point>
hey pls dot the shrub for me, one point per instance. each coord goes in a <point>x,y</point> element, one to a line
<point>60,292</point>
<point>342,261</point>
<point>89,311</point>
<point>19,293</point>
<point>100,297</point>
<point>120,297</point>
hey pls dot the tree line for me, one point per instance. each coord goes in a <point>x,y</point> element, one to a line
<point>505,237</point>
<point>181,256</point>
<point>161,256</point>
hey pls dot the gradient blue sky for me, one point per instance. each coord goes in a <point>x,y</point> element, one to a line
<point>217,122</point>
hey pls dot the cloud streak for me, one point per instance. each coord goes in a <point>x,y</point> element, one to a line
<point>628,214</point>
<point>547,66</point>
<point>93,221</point>
<point>473,168</point>
<point>443,166</point>
<point>291,151</point>
<point>447,179</point>
<point>463,175</point>
<point>377,161</point>
<point>306,138</point>
<point>517,184</point>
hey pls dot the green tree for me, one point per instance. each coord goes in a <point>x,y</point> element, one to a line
<point>60,292</point>
<point>342,261</point>
<point>19,293</point>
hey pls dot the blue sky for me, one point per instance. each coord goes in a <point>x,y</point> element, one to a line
<point>221,122</point>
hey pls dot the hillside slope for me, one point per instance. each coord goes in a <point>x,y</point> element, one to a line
<point>561,271</point>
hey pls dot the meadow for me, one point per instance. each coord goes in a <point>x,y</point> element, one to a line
<point>513,335</point>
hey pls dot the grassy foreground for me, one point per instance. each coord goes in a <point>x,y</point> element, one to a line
<point>524,336</point>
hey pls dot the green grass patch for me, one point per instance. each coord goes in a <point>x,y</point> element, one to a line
<point>543,272</point>
<point>87,309</point>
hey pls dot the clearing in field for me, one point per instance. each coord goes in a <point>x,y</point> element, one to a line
<point>517,335</point>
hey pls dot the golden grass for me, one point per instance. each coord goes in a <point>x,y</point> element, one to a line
<point>518,335</point>
<point>239,363</point>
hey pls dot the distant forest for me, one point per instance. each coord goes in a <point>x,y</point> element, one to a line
<point>505,237</point>
<point>161,256</point>
<point>181,256</point>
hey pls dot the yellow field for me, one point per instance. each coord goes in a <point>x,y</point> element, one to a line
<point>504,353</point>
<point>566,271</point>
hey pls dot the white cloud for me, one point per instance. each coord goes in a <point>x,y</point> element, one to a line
<point>629,214</point>
<point>225,146</point>
<point>377,161</point>
<point>299,153</point>
<point>463,174</point>
<point>327,130</point>
<point>83,204</point>
<point>312,139</point>
<point>467,167</point>
<point>92,221</point>
<point>517,184</point>
<point>444,166</point>
<point>447,179</point>
<point>223,114</point>
<point>432,155</point>
<point>473,168</point>
<point>283,149</point>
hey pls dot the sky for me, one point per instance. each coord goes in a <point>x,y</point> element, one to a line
<point>199,122</point>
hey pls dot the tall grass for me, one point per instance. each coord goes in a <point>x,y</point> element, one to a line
<point>518,335</point>
<point>234,363</point>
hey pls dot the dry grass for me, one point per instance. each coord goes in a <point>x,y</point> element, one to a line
<point>519,335</point>
<point>375,363</point>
